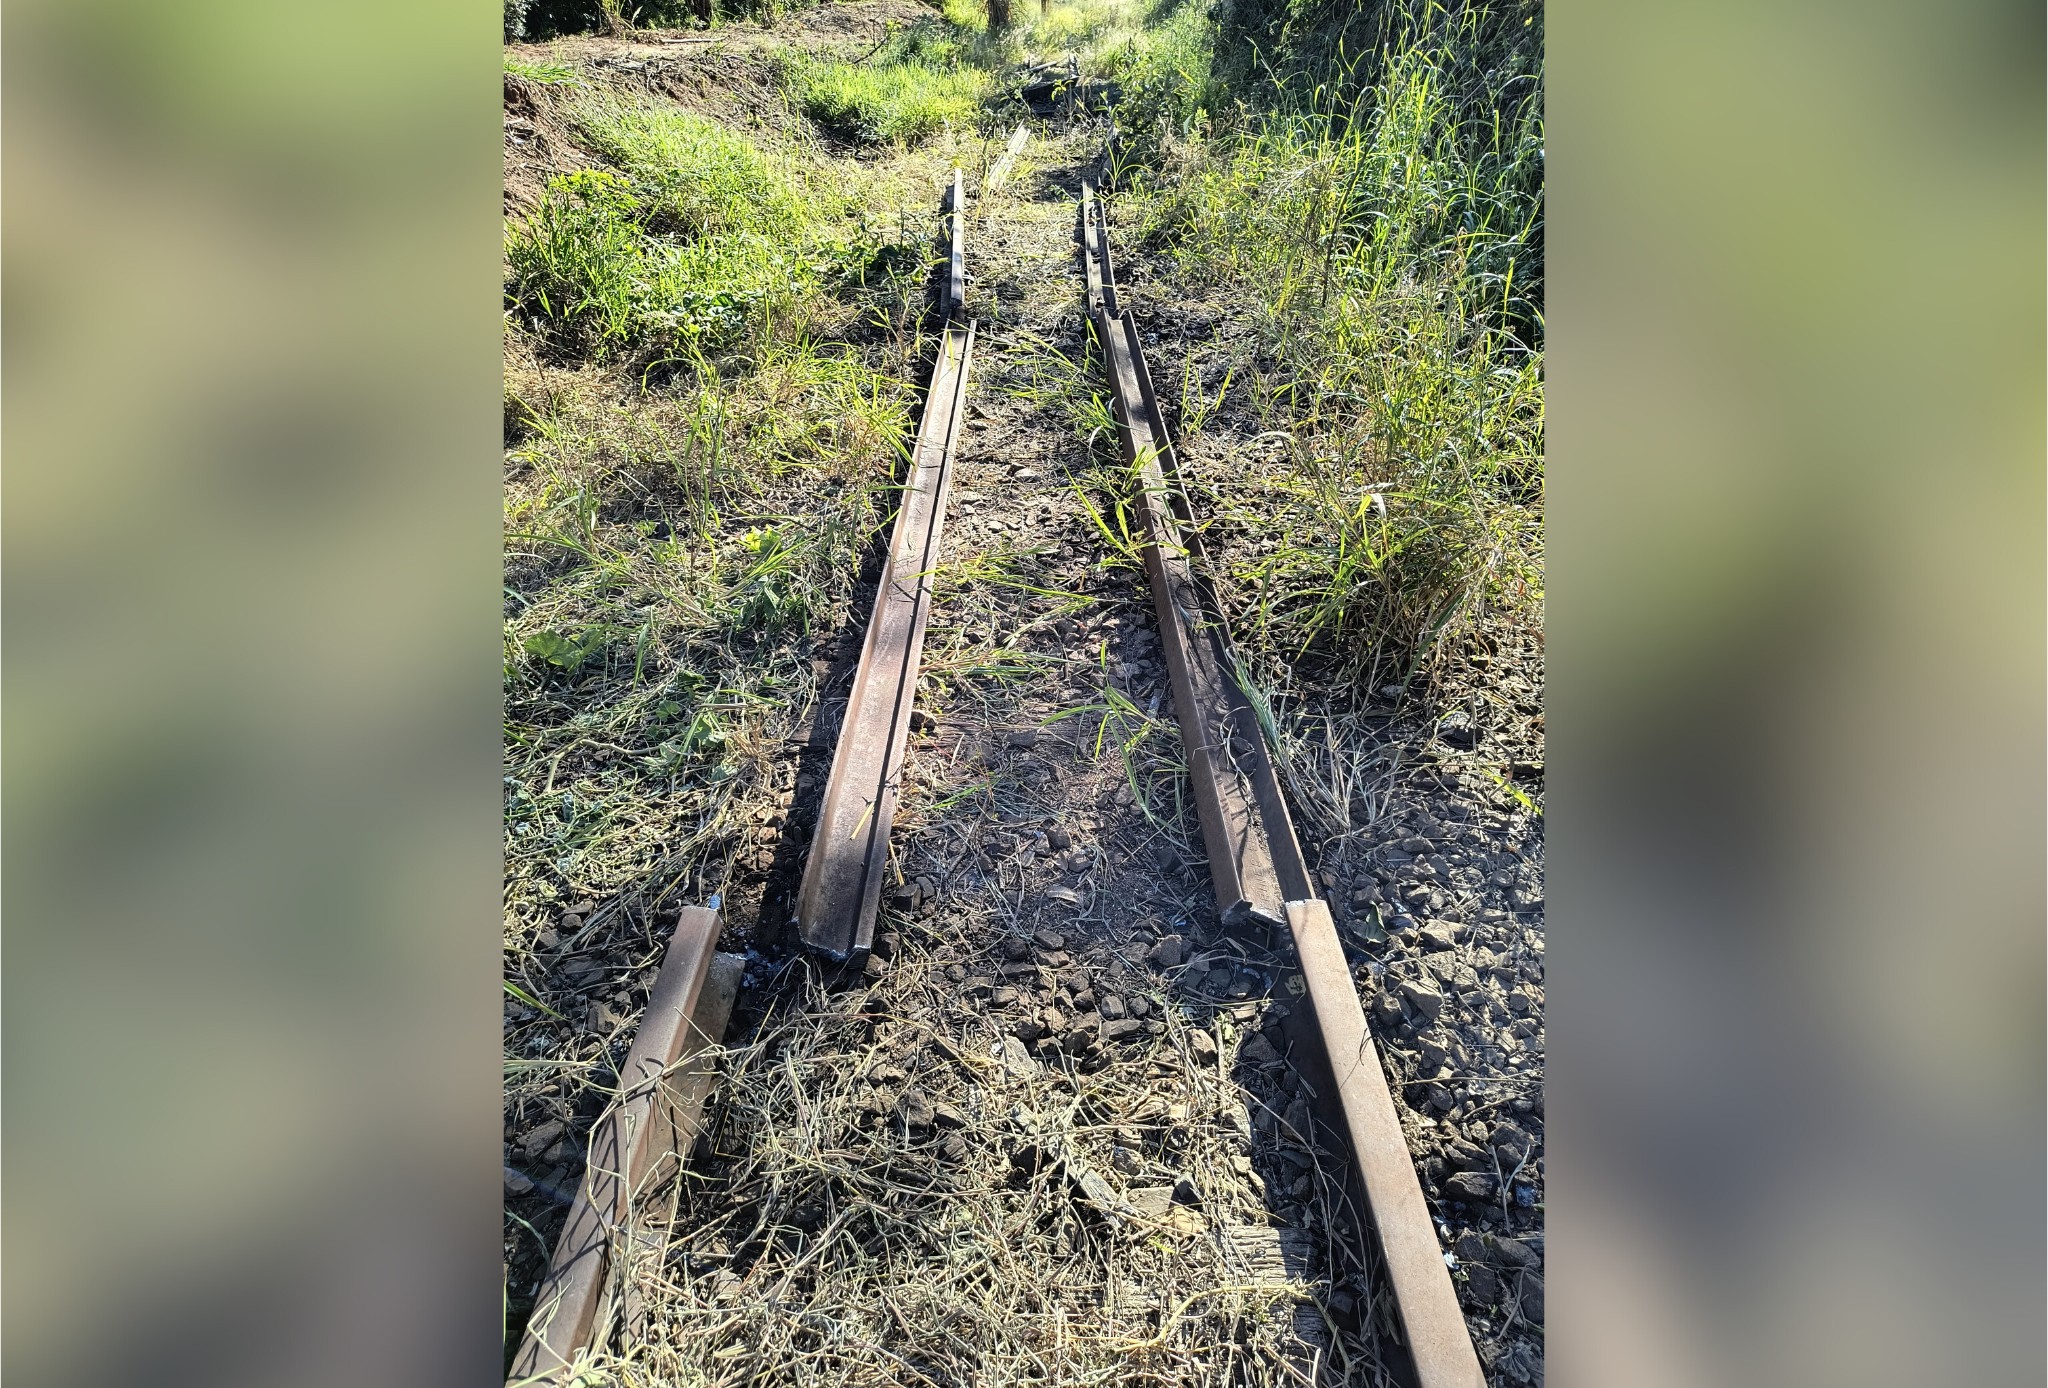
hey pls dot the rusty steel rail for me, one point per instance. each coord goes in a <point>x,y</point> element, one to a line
<point>1255,860</point>
<point>849,854</point>
<point>635,1148</point>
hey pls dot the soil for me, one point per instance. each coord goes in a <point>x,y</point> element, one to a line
<point>1052,917</point>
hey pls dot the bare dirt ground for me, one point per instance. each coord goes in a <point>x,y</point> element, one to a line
<point>1054,1134</point>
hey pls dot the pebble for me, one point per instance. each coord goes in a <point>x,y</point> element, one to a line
<point>1426,1001</point>
<point>1518,1001</point>
<point>1438,935</point>
<point>913,1110</point>
<point>1259,1051</point>
<point>1059,838</point>
<point>875,966</point>
<point>1201,1046</point>
<point>1050,939</point>
<point>948,1116</point>
<point>1022,738</point>
<point>1137,1007</point>
<point>1482,1284</point>
<point>976,987</point>
<point>542,1137</point>
<point>1117,1031</point>
<point>1474,1187</point>
<point>517,1183</point>
<point>1513,1253</point>
<point>1168,953</point>
<point>1003,997</point>
<point>956,972</point>
<point>1112,1007</point>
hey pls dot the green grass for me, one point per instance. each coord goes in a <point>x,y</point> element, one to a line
<point>1391,243</point>
<point>897,99</point>
<point>548,74</point>
<point>693,240</point>
<point>694,178</point>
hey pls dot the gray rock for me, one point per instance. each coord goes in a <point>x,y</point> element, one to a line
<point>542,1137</point>
<point>948,1116</point>
<point>1168,953</point>
<point>1531,1299</point>
<point>516,1182</point>
<point>1424,1000</point>
<point>1482,1285</point>
<point>1023,737</point>
<point>1050,940</point>
<point>1112,1007</point>
<point>1123,1159</point>
<point>1259,1051</point>
<point>1003,997</point>
<point>1059,838</point>
<point>1202,1046</point>
<point>1438,935</point>
<point>1512,1142</point>
<point>976,987</point>
<point>1138,1007</point>
<point>913,1110</point>
<point>1512,1253</point>
<point>1474,1187</point>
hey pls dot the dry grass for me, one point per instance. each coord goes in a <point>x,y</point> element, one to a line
<point>826,1241</point>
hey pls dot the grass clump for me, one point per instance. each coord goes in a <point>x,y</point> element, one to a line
<point>691,241</point>
<point>548,74</point>
<point>913,90</point>
<point>591,282</point>
<point>694,177</point>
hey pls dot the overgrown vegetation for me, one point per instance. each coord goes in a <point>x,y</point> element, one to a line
<point>917,86</point>
<point>1387,222</point>
<point>693,240</point>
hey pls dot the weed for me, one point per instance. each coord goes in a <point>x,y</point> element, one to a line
<point>548,74</point>
<point>1393,246</point>
<point>899,101</point>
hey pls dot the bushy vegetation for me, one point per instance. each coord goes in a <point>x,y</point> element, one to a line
<point>690,241</point>
<point>917,86</point>
<point>1390,231</point>
<point>673,534</point>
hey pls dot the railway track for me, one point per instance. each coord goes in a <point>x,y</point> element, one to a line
<point>843,876</point>
<point>1260,876</point>
<point>1255,860</point>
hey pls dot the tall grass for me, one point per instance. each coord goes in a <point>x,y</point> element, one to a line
<point>1390,234</point>
<point>684,247</point>
<point>916,87</point>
